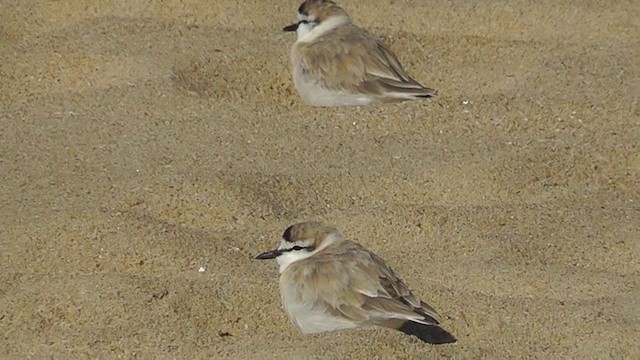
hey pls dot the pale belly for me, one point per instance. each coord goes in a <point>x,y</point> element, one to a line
<point>311,321</point>
<point>308,315</point>
<point>315,95</point>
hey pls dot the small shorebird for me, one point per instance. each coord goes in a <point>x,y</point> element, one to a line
<point>336,63</point>
<point>329,283</point>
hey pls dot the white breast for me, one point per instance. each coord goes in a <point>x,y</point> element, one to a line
<point>308,318</point>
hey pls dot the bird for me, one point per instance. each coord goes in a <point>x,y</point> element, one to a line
<point>336,63</point>
<point>329,283</point>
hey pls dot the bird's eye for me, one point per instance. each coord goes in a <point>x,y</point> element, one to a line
<point>304,21</point>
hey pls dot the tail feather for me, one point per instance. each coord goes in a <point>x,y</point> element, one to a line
<point>432,334</point>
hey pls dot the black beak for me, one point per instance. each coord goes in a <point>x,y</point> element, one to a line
<point>269,254</point>
<point>292,27</point>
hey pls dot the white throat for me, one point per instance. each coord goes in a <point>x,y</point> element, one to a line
<point>307,33</point>
<point>289,258</point>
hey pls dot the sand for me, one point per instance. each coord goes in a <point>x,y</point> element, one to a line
<point>149,150</point>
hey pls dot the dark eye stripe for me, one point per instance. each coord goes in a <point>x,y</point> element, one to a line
<point>298,248</point>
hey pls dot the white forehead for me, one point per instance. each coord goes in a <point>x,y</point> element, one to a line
<point>306,17</point>
<point>286,245</point>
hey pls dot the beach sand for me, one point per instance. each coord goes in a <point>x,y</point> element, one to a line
<point>149,150</point>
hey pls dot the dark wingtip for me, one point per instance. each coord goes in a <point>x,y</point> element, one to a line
<point>432,334</point>
<point>429,93</point>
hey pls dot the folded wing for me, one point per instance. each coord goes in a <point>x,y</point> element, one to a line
<point>353,60</point>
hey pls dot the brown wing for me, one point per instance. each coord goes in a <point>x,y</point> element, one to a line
<point>397,296</point>
<point>358,284</point>
<point>350,58</point>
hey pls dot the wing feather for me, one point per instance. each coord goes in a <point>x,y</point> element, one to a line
<point>357,284</point>
<point>351,59</point>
